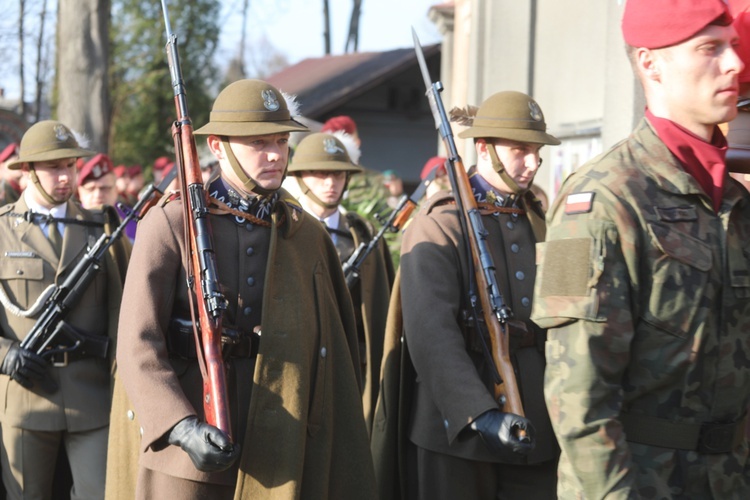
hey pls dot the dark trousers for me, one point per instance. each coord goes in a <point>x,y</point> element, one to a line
<point>443,477</point>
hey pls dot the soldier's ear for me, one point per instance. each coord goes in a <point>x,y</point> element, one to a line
<point>481,147</point>
<point>648,63</point>
<point>215,146</point>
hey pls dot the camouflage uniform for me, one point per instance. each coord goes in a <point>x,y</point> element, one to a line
<point>645,290</point>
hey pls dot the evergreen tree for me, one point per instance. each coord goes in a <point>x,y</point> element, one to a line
<point>142,96</point>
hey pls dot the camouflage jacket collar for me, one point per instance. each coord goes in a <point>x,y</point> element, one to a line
<point>658,162</point>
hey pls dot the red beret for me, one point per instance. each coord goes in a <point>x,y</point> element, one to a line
<point>10,150</point>
<point>120,170</point>
<point>337,123</point>
<point>741,11</point>
<point>96,168</point>
<point>135,170</point>
<point>434,162</point>
<point>161,162</point>
<point>654,24</point>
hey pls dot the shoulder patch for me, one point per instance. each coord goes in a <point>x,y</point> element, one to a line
<point>579,203</point>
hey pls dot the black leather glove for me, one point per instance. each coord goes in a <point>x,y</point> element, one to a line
<point>27,367</point>
<point>208,447</point>
<point>502,431</point>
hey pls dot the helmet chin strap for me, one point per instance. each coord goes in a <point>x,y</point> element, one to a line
<point>515,189</point>
<point>40,189</point>
<point>248,184</point>
<point>308,192</point>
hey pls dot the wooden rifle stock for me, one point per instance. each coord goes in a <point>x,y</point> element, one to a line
<point>496,314</point>
<point>202,275</point>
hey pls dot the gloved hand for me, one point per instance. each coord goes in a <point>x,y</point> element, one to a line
<point>208,447</point>
<point>27,367</point>
<point>500,432</point>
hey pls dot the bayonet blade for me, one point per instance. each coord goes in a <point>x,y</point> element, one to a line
<point>430,92</point>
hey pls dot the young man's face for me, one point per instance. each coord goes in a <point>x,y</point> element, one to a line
<point>262,157</point>
<point>327,185</point>
<point>98,192</point>
<point>520,159</point>
<point>700,78</point>
<point>56,177</point>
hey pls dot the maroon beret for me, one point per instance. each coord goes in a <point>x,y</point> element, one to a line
<point>10,150</point>
<point>96,168</point>
<point>654,24</point>
<point>434,162</point>
<point>161,163</point>
<point>337,123</point>
<point>135,170</point>
<point>121,171</point>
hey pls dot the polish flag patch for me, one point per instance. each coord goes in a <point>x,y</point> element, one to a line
<point>579,203</point>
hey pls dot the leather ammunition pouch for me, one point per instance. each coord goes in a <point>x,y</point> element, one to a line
<point>79,345</point>
<point>235,344</point>
<point>703,437</point>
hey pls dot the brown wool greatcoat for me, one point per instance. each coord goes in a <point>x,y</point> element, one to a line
<point>28,266</point>
<point>302,432</point>
<point>435,382</point>
<point>370,297</point>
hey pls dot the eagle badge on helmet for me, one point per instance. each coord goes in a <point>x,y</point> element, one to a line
<point>270,101</point>
<point>61,133</point>
<point>330,147</point>
<point>536,111</point>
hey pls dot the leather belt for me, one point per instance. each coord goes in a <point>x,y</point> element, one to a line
<point>235,344</point>
<point>703,437</point>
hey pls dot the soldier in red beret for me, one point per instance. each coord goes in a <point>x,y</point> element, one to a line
<point>10,189</point>
<point>440,182</point>
<point>137,181</point>
<point>643,280</point>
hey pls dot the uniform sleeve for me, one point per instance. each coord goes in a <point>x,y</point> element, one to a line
<point>431,288</point>
<point>142,358</point>
<point>583,294</point>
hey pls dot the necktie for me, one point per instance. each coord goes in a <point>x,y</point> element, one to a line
<point>55,237</point>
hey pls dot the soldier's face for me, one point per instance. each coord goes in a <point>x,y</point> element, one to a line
<point>98,192</point>
<point>327,185</point>
<point>262,157</point>
<point>56,177</point>
<point>520,159</point>
<point>698,80</point>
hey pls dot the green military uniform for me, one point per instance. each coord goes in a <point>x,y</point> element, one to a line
<point>646,291</point>
<point>37,423</point>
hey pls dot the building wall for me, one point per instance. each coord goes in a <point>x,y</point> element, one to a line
<point>567,54</point>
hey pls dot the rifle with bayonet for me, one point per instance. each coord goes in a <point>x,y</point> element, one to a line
<point>202,276</point>
<point>484,290</point>
<point>64,297</point>
<point>395,222</point>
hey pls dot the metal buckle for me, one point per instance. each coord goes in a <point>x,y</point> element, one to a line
<point>717,438</point>
<point>57,362</point>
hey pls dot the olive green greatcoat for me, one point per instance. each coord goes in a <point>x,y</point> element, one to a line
<point>370,295</point>
<point>29,265</point>
<point>436,381</point>
<point>302,432</point>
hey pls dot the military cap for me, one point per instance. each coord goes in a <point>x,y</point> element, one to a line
<point>161,163</point>
<point>135,171</point>
<point>48,140</point>
<point>121,171</point>
<point>510,115</point>
<point>337,123</point>
<point>322,151</point>
<point>433,163</point>
<point>654,24</point>
<point>10,150</point>
<point>96,168</point>
<point>250,107</point>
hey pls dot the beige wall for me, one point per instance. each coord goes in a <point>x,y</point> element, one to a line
<point>571,60</point>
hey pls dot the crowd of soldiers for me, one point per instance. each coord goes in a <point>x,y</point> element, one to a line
<point>628,302</point>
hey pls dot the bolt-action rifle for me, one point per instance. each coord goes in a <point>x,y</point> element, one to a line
<point>395,222</point>
<point>202,276</point>
<point>483,288</point>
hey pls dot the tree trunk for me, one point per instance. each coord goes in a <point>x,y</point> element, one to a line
<point>21,35</point>
<point>40,63</point>
<point>327,27</point>
<point>82,69</point>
